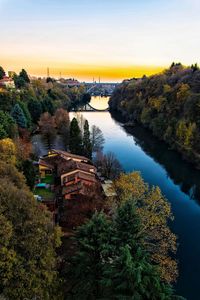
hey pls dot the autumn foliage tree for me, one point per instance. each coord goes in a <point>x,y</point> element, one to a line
<point>62,122</point>
<point>28,241</point>
<point>155,213</point>
<point>47,126</point>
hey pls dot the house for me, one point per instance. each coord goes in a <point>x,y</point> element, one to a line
<point>7,82</point>
<point>75,173</point>
<point>45,168</point>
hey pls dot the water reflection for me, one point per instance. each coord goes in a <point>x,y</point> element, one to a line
<point>181,172</point>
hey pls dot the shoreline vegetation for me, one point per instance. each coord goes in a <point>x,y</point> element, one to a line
<point>168,104</point>
<point>122,247</point>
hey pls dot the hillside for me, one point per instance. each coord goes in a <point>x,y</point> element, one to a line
<point>168,104</point>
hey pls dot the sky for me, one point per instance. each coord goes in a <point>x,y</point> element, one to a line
<point>112,39</point>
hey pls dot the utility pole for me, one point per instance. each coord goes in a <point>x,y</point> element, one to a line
<point>48,72</point>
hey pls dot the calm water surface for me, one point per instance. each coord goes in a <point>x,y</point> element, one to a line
<point>137,149</point>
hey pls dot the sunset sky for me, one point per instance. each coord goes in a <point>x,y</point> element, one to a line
<point>113,39</point>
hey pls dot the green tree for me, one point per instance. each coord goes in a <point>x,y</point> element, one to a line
<point>3,133</point>
<point>26,112</point>
<point>19,117</point>
<point>88,263</point>
<point>19,81</point>
<point>112,262</point>
<point>87,146</point>
<point>48,106</point>
<point>23,74</point>
<point>75,143</point>
<point>35,109</point>
<point>8,124</point>
<point>29,173</point>
<point>2,73</point>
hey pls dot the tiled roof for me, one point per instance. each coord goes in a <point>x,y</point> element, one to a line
<point>67,155</point>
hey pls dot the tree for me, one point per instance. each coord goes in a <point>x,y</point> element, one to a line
<point>88,263</point>
<point>18,116</point>
<point>23,74</point>
<point>7,151</point>
<point>28,241</point>
<point>48,106</point>
<point>35,109</point>
<point>3,133</point>
<point>19,81</point>
<point>132,275</point>
<point>8,124</point>
<point>87,146</point>
<point>33,240</point>
<point>47,126</point>
<point>111,261</point>
<point>97,139</point>
<point>2,73</point>
<point>108,165</point>
<point>26,112</point>
<point>75,144</point>
<point>7,254</point>
<point>155,213</point>
<point>29,173</point>
<point>63,123</point>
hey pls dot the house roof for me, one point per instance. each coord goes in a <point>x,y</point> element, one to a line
<point>6,79</point>
<point>68,155</point>
<point>70,165</point>
<point>43,163</point>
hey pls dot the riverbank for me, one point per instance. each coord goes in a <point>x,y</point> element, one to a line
<point>168,105</point>
<point>188,155</point>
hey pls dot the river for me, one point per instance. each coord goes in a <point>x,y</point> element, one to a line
<point>137,149</point>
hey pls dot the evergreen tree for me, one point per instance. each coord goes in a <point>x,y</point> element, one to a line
<point>2,73</point>
<point>3,133</point>
<point>112,261</point>
<point>88,264</point>
<point>18,115</point>
<point>8,124</point>
<point>48,106</point>
<point>29,173</point>
<point>23,74</point>
<point>87,146</point>
<point>130,275</point>
<point>75,143</point>
<point>26,112</point>
<point>35,109</point>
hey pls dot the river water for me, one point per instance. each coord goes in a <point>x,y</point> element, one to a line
<point>137,149</point>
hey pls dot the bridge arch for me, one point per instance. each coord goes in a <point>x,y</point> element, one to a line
<point>89,107</point>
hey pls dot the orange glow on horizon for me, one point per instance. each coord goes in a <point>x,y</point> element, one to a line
<point>113,73</point>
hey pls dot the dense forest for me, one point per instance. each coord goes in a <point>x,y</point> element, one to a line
<point>168,104</point>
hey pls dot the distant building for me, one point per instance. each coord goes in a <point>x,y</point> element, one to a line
<point>69,82</point>
<point>7,82</point>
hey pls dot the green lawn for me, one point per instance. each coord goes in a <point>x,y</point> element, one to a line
<point>48,179</point>
<point>44,193</point>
